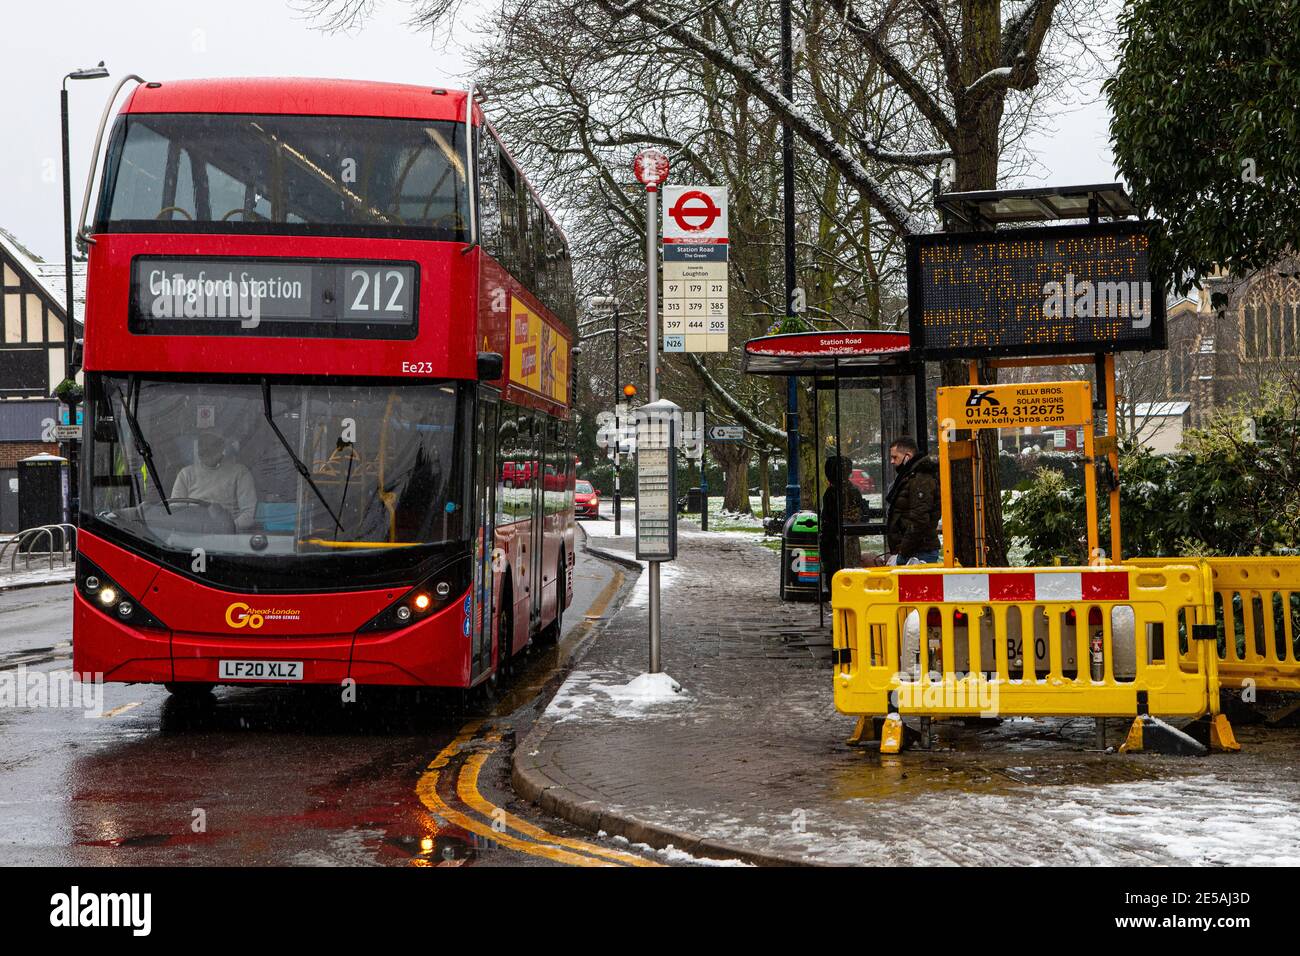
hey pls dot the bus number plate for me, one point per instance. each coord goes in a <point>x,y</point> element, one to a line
<point>260,670</point>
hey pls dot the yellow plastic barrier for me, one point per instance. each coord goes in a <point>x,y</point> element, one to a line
<point>1256,617</point>
<point>1102,642</point>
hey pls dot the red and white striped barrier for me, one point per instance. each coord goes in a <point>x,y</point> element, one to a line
<point>928,587</point>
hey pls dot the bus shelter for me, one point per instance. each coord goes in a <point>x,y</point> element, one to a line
<point>870,388</point>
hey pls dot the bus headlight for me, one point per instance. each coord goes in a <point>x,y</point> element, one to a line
<point>101,590</point>
<point>436,592</point>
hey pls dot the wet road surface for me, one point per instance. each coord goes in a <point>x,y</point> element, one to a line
<point>276,776</point>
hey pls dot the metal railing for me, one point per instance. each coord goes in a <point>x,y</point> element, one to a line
<point>26,543</point>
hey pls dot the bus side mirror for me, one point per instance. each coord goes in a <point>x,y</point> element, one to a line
<point>490,366</point>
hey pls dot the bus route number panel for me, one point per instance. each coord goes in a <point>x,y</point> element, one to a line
<point>190,295</point>
<point>656,505</point>
<point>1040,404</point>
<point>694,300</point>
<point>1054,290</point>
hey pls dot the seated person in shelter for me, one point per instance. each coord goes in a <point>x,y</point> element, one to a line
<point>842,504</point>
<point>218,479</point>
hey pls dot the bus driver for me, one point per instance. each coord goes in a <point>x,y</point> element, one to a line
<point>216,479</point>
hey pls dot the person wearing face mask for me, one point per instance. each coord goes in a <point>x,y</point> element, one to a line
<point>913,506</point>
<point>217,479</point>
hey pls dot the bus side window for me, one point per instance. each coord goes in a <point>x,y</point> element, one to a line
<point>570,313</point>
<point>537,234</point>
<point>508,202</point>
<point>528,224</point>
<point>489,181</point>
<point>551,240</point>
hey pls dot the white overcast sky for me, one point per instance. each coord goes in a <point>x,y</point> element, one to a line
<point>43,40</point>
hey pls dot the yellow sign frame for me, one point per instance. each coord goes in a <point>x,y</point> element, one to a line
<point>975,407</point>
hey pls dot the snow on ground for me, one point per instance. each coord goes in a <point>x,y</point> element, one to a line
<point>670,853</point>
<point>669,574</point>
<point>1206,820</point>
<point>582,696</point>
<point>36,575</point>
<point>642,689</point>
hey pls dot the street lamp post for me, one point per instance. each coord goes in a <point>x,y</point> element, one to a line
<point>787,163</point>
<point>69,319</point>
<point>612,302</point>
<point>618,499</point>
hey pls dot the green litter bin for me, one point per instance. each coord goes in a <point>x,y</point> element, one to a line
<point>801,565</point>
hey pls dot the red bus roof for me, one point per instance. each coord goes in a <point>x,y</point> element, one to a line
<point>296,95</point>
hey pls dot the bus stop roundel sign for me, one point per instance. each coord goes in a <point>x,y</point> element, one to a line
<point>651,168</point>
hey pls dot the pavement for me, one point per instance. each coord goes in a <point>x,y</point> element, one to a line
<point>750,761</point>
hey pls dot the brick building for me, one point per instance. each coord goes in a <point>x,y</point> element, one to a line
<point>1234,338</point>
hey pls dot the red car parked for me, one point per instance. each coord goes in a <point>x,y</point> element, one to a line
<point>586,500</point>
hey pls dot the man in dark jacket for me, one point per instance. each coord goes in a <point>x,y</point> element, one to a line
<point>912,505</point>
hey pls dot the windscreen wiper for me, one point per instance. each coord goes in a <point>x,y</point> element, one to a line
<point>141,445</point>
<point>293,457</point>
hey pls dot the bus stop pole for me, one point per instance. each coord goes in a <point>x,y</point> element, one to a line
<point>704,478</point>
<point>822,583</point>
<point>652,349</point>
<point>618,435</point>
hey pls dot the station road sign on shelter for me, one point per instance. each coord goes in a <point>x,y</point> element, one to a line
<point>695,286</point>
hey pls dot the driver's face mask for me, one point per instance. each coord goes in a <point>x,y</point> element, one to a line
<point>211,451</point>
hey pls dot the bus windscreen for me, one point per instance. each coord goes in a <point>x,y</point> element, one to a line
<point>281,469</point>
<point>279,175</point>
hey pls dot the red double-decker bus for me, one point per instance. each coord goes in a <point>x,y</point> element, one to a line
<point>329,329</point>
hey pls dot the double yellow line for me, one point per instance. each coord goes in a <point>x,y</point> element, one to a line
<point>459,764</point>
<point>461,761</point>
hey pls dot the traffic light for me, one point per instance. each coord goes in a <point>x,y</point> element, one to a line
<point>629,391</point>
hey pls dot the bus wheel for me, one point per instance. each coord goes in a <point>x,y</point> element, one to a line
<point>551,634</point>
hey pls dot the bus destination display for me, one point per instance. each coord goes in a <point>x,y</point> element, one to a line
<point>310,297</point>
<point>1058,290</point>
